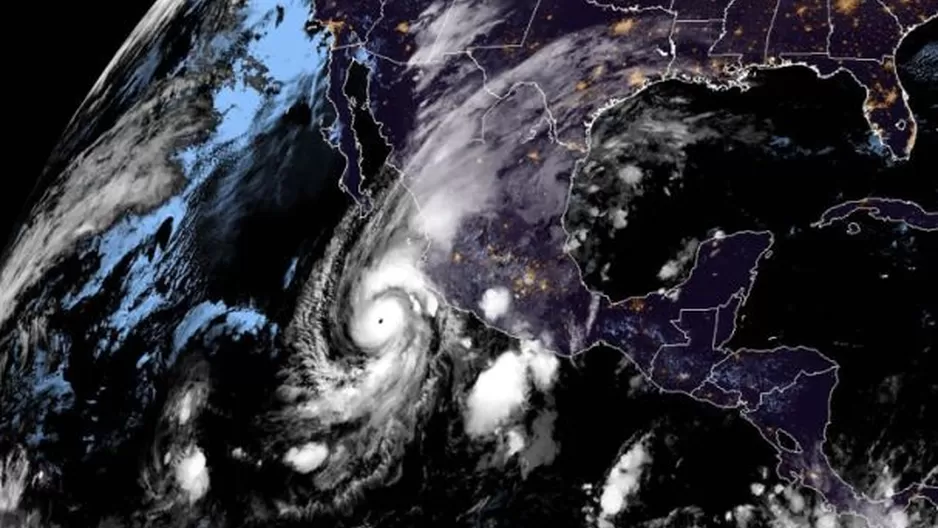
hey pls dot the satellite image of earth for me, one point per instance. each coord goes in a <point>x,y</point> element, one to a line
<point>488,264</point>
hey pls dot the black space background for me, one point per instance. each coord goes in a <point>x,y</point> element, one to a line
<point>54,53</point>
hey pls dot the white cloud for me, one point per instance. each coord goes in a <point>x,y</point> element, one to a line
<point>630,175</point>
<point>885,485</point>
<point>680,262</point>
<point>186,407</point>
<point>670,270</point>
<point>379,321</point>
<point>743,515</point>
<point>543,449</point>
<point>795,500</point>
<point>192,474</point>
<point>619,218</point>
<point>495,302</point>
<point>442,30</point>
<point>897,519</point>
<point>503,388</point>
<point>497,393</point>
<point>542,363</point>
<point>379,317</point>
<point>826,520</point>
<point>515,440</point>
<point>133,157</point>
<point>14,468</point>
<point>623,480</point>
<point>306,457</point>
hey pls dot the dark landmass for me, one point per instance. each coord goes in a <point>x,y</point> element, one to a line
<point>865,301</point>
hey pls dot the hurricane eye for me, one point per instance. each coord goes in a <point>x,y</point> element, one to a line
<point>379,321</point>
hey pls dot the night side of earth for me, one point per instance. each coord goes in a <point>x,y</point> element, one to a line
<point>732,49</point>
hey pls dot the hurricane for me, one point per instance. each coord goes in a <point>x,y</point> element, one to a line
<point>363,373</point>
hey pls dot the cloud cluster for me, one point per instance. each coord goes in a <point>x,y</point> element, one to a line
<point>502,390</point>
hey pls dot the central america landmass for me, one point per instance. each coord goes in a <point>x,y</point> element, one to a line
<point>535,117</point>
